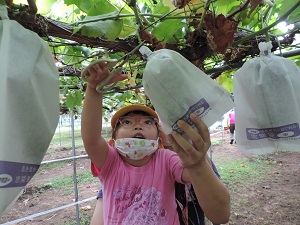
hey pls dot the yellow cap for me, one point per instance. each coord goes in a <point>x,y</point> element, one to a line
<point>131,108</point>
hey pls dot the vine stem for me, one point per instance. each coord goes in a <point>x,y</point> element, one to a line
<point>265,29</point>
<point>160,19</point>
<point>32,7</point>
<point>137,17</point>
<point>251,31</point>
<point>114,17</point>
<point>240,9</point>
<point>139,23</point>
<point>206,8</point>
<point>266,20</point>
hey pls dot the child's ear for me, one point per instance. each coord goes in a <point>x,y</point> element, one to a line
<point>111,142</point>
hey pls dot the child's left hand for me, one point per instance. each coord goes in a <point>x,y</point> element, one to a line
<point>194,154</point>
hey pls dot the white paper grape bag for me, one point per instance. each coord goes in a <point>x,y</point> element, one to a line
<point>178,88</point>
<point>29,93</point>
<point>267,104</point>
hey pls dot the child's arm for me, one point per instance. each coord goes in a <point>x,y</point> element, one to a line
<point>211,193</point>
<point>91,121</point>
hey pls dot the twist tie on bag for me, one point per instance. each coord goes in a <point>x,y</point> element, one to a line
<point>265,48</point>
<point>3,13</point>
<point>114,70</point>
<point>145,51</point>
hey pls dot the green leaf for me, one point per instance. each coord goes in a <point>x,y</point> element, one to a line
<point>225,6</point>
<point>253,22</point>
<point>161,9</point>
<point>284,7</point>
<point>82,5</point>
<point>109,29</point>
<point>129,25</point>
<point>293,18</point>
<point>82,50</point>
<point>74,99</point>
<point>128,29</point>
<point>93,8</point>
<point>226,80</point>
<point>296,59</point>
<point>297,63</point>
<point>73,54</point>
<point>44,7</point>
<point>169,31</point>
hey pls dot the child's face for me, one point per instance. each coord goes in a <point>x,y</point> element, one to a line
<point>135,125</point>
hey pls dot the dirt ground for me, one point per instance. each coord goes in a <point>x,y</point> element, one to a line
<point>274,200</point>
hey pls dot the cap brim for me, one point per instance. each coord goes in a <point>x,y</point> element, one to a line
<point>131,108</point>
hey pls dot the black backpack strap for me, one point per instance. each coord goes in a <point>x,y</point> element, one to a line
<point>195,212</point>
<point>181,202</point>
<point>180,214</point>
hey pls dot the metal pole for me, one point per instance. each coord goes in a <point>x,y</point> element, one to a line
<point>59,131</point>
<point>74,168</point>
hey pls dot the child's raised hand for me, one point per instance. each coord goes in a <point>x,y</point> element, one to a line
<point>98,72</point>
<point>193,154</point>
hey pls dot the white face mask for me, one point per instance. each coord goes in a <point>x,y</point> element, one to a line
<point>135,148</point>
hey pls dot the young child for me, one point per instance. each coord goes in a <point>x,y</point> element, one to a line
<point>188,208</point>
<point>137,177</point>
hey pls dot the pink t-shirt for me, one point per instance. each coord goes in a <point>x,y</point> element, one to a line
<point>231,118</point>
<point>140,195</point>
